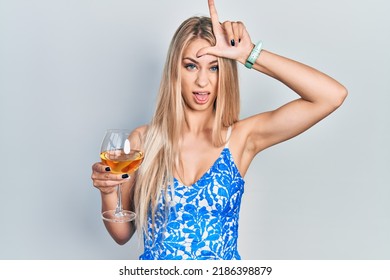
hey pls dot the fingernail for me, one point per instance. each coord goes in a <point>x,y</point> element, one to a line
<point>108,168</point>
<point>232,42</point>
<point>125,176</point>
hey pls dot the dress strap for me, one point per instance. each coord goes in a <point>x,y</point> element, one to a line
<point>229,132</point>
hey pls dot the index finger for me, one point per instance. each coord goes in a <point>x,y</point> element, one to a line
<point>213,13</point>
<point>100,167</point>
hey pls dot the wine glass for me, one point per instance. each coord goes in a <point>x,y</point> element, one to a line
<point>121,151</point>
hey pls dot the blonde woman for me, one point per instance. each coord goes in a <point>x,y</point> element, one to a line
<point>188,190</point>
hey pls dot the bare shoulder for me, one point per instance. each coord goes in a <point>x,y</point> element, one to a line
<point>141,129</point>
<point>138,134</point>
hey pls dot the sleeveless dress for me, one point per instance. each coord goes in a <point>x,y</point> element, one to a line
<point>202,219</point>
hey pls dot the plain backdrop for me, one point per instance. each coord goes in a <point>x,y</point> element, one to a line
<point>71,69</point>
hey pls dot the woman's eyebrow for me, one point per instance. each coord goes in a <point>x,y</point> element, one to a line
<point>195,61</point>
<point>189,58</point>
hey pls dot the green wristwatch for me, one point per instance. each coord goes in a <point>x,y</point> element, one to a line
<point>254,55</point>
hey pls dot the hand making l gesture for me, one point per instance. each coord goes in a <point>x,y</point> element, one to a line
<point>233,40</point>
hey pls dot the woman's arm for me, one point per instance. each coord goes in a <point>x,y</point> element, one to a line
<point>319,95</point>
<point>106,182</point>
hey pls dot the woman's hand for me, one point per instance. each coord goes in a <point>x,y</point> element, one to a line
<point>233,40</point>
<point>107,183</point>
<point>104,180</point>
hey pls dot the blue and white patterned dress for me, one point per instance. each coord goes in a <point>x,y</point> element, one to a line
<point>202,221</point>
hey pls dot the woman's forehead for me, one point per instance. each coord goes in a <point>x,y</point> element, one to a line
<point>193,47</point>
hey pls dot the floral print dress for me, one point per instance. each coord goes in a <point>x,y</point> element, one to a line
<point>202,219</point>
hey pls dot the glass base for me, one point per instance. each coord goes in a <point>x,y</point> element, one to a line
<point>122,217</point>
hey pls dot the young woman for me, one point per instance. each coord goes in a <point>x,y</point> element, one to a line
<point>188,190</point>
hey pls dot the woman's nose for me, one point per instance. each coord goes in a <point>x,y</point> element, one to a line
<point>202,79</point>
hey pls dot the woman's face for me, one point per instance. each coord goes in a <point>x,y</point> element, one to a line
<point>199,77</point>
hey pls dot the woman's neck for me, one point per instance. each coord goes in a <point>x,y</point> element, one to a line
<point>198,122</point>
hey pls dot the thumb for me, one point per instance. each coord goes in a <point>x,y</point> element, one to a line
<point>207,50</point>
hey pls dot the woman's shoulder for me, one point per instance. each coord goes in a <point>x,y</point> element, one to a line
<point>139,131</point>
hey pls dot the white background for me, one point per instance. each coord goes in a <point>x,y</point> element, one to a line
<point>71,69</point>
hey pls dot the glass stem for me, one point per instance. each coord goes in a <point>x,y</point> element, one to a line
<point>118,210</point>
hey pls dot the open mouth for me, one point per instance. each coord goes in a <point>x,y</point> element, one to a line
<point>201,97</point>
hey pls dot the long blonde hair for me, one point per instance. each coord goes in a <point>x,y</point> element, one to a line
<point>163,133</point>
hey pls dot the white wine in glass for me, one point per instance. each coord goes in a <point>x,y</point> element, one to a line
<point>121,151</point>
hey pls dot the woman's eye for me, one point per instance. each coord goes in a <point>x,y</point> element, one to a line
<point>190,66</point>
<point>214,68</point>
